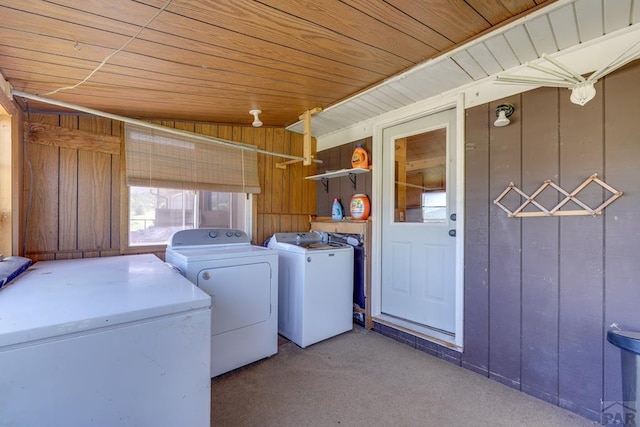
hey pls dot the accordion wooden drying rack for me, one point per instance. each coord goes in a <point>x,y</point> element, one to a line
<point>556,210</point>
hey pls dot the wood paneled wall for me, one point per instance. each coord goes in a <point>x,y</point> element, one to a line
<point>340,158</point>
<point>74,195</point>
<point>540,293</point>
<point>287,199</point>
<point>71,196</point>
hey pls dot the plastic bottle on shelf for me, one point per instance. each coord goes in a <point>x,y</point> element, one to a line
<point>360,206</point>
<point>336,210</point>
<point>360,158</point>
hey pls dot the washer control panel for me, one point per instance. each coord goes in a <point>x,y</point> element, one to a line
<point>207,236</point>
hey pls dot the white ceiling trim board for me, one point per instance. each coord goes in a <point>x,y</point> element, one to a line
<point>582,58</point>
<point>485,58</point>
<point>589,17</point>
<point>502,52</point>
<point>469,65</point>
<point>617,14</point>
<point>541,35</point>
<point>566,35</point>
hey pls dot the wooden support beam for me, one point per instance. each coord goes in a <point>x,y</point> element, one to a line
<point>306,148</point>
<point>283,165</point>
<point>54,136</point>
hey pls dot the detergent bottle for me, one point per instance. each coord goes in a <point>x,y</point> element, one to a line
<point>360,206</point>
<point>360,158</point>
<point>336,210</point>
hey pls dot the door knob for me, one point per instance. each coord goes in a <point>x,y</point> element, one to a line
<point>452,233</point>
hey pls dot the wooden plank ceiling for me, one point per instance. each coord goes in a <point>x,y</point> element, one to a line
<point>216,60</point>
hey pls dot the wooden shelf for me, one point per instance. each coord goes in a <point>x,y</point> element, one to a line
<point>351,173</point>
<point>345,226</point>
<point>338,173</point>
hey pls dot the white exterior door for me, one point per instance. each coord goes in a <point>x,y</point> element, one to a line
<point>418,248</point>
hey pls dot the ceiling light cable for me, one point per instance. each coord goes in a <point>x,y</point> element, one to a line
<point>162,9</point>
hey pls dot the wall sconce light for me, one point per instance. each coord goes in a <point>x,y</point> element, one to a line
<point>256,120</point>
<point>503,112</point>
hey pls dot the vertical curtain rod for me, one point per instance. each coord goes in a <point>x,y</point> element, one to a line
<point>179,132</point>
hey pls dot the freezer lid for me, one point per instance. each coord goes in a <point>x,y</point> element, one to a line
<point>56,298</point>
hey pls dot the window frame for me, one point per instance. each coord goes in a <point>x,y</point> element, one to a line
<point>249,224</point>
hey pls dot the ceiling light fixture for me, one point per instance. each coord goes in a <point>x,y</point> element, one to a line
<point>503,112</point>
<point>256,120</point>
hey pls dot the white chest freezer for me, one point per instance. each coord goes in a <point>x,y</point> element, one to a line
<point>117,341</point>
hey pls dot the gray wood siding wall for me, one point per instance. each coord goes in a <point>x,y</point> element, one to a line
<point>540,293</point>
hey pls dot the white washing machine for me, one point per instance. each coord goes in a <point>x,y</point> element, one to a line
<point>242,280</point>
<point>315,297</point>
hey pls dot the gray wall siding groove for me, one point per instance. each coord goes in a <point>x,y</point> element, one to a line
<point>537,319</point>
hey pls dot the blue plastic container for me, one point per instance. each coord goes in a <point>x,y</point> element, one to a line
<point>337,214</point>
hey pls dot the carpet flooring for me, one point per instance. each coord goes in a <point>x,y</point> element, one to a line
<point>362,378</point>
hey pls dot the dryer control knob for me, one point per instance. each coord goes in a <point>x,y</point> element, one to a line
<point>238,233</point>
<point>229,233</point>
<point>213,234</point>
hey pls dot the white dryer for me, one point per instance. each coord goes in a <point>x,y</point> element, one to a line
<point>242,280</point>
<point>315,296</point>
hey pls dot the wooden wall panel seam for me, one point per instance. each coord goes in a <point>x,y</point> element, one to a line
<point>476,287</point>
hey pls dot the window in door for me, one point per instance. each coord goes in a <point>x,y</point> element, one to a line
<point>420,188</point>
